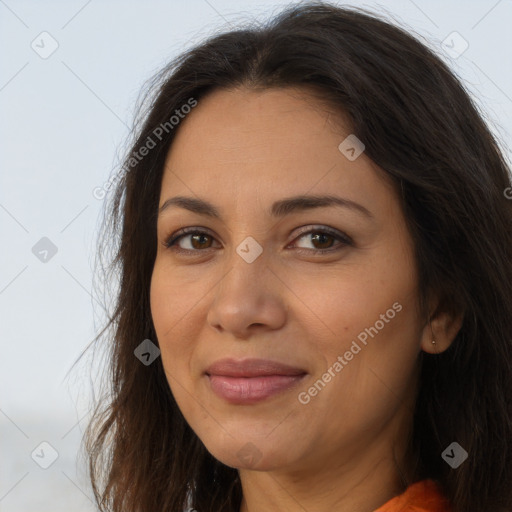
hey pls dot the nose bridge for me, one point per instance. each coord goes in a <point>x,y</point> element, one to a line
<point>243,297</point>
<point>246,267</point>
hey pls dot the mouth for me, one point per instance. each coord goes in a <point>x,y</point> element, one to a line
<point>248,381</point>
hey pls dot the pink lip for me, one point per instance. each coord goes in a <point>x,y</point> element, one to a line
<point>251,368</point>
<point>251,380</point>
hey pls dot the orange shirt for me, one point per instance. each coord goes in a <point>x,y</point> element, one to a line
<point>422,496</point>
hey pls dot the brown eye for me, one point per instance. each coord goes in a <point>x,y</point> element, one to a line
<point>323,240</point>
<point>197,240</point>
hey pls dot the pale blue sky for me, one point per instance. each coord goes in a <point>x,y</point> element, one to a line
<point>63,120</point>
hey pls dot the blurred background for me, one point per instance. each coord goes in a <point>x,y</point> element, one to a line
<point>70,76</point>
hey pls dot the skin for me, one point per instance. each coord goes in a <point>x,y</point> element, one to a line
<point>242,150</point>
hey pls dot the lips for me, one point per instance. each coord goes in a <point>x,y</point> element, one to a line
<point>252,368</point>
<point>251,380</point>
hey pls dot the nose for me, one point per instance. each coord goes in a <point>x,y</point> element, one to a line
<point>249,298</point>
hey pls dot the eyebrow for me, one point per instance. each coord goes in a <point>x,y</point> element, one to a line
<point>279,208</point>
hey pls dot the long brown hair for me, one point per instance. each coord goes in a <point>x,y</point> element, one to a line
<point>420,126</point>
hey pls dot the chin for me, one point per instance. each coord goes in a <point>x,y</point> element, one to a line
<point>258,454</point>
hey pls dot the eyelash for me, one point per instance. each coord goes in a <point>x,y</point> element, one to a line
<point>342,237</point>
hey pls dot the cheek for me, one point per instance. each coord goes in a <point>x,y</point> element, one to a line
<point>169,311</point>
<point>379,353</point>
<point>364,390</point>
<point>336,305</point>
<point>176,297</point>
<point>368,316</point>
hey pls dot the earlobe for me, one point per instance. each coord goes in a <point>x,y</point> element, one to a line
<point>440,331</point>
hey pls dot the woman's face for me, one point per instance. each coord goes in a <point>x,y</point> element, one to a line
<point>250,285</point>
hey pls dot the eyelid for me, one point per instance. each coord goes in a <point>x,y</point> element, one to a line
<point>343,239</point>
<point>173,237</point>
<point>314,228</point>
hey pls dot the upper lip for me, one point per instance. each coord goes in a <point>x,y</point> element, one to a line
<point>251,368</point>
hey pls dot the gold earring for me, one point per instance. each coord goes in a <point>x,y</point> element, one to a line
<point>433,340</point>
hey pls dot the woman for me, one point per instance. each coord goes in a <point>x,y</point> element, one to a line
<point>314,309</point>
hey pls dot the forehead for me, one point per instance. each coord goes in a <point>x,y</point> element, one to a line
<point>262,125</point>
<point>271,142</point>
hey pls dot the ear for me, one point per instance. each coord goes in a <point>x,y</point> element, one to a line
<point>443,328</point>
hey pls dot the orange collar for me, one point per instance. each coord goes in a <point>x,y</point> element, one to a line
<point>422,496</point>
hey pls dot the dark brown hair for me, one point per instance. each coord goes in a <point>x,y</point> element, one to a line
<point>420,126</point>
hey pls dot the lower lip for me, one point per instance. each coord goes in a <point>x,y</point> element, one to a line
<point>249,390</point>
